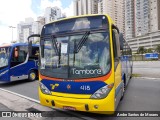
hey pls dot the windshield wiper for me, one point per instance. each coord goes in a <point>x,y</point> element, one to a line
<point>57,49</point>
<point>82,42</point>
<point>54,39</point>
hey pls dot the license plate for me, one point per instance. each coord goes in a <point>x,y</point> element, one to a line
<point>69,108</point>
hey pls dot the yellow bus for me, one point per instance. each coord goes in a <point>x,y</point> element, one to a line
<point>85,64</point>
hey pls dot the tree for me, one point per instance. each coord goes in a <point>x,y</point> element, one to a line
<point>149,50</point>
<point>157,49</point>
<point>36,41</point>
<point>141,50</point>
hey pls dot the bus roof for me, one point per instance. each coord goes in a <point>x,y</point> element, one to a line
<point>67,18</point>
<point>15,44</point>
<point>77,23</point>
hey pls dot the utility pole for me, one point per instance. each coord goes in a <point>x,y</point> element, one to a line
<point>12,30</point>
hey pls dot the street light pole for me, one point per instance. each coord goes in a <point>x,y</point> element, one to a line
<point>12,30</point>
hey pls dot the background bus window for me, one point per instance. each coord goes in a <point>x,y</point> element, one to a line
<point>19,55</point>
<point>35,53</point>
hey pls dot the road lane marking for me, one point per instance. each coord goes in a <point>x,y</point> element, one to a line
<point>28,98</point>
<point>58,109</point>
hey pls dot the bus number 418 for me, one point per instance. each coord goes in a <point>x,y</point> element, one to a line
<point>85,87</point>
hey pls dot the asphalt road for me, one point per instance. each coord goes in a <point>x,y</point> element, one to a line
<point>23,87</point>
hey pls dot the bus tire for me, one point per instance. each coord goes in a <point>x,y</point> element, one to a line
<point>32,75</point>
<point>131,72</point>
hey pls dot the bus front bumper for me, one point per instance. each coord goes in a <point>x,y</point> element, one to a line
<point>102,106</point>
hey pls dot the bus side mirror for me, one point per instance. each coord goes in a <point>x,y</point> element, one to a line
<point>121,40</point>
<point>42,48</point>
<point>30,43</point>
<point>16,54</point>
<point>30,47</point>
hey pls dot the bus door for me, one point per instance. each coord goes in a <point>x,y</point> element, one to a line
<point>117,66</point>
<point>128,63</point>
<point>18,66</point>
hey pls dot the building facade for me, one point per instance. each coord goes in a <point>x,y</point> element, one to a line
<point>82,7</point>
<point>114,8</point>
<point>29,27</point>
<point>52,13</point>
<point>105,6</point>
<point>129,19</point>
<point>142,23</point>
<point>40,22</point>
<point>141,17</point>
<point>25,29</point>
<point>150,40</point>
<point>154,15</point>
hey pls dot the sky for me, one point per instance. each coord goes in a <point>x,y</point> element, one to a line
<point>14,11</point>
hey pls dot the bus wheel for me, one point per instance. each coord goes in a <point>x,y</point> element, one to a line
<point>32,75</point>
<point>131,72</point>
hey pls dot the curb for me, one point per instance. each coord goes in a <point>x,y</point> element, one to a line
<point>38,102</point>
<point>22,96</point>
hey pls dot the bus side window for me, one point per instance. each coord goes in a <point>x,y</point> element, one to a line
<point>15,54</point>
<point>22,53</point>
<point>35,53</point>
<point>19,55</point>
<point>116,46</point>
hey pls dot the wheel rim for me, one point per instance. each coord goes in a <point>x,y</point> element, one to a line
<point>32,76</point>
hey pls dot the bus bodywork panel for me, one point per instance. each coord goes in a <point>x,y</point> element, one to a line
<point>4,75</point>
<point>106,104</point>
<point>79,101</point>
<point>21,71</point>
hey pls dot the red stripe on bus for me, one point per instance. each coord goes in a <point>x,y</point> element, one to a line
<point>103,78</point>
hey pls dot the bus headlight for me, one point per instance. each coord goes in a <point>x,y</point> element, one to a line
<point>102,92</point>
<point>44,89</point>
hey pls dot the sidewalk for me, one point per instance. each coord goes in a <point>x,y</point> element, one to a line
<point>6,109</point>
<point>11,102</point>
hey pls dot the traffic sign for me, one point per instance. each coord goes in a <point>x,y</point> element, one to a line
<point>151,55</point>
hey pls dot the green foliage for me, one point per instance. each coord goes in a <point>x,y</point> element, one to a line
<point>36,42</point>
<point>136,75</point>
<point>141,50</point>
<point>149,50</point>
<point>157,49</point>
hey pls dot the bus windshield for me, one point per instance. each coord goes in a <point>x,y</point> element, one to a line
<point>4,56</point>
<point>76,56</point>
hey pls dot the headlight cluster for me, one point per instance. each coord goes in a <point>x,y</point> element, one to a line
<point>102,92</point>
<point>44,89</point>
